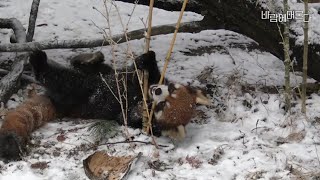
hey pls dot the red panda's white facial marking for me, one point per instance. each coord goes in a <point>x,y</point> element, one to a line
<point>158,114</point>
<point>177,86</point>
<point>158,92</point>
<point>174,95</point>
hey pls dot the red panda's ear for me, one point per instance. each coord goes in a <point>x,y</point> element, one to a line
<point>38,59</point>
<point>151,90</point>
<point>171,88</point>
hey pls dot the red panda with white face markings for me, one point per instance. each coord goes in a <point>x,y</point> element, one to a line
<point>175,106</point>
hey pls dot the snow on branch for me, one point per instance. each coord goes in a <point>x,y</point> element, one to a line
<point>86,43</point>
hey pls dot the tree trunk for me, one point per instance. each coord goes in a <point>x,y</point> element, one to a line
<point>244,17</point>
<point>305,58</point>
<point>287,61</point>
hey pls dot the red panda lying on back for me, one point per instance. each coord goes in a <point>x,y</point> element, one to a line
<point>175,106</point>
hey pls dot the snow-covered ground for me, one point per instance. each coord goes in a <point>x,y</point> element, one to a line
<point>246,135</point>
<point>297,23</point>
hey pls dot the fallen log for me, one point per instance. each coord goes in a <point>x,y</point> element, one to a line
<point>169,5</point>
<point>311,88</point>
<point>86,43</point>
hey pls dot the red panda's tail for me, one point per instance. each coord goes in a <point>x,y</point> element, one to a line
<point>21,122</point>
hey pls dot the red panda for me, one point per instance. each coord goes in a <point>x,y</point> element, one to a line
<point>175,106</point>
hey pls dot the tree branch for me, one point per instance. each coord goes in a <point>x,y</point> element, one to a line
<point>25,77</point>
<point>16,26</point>
<point>9,83</point>
<point>32,19</point>
<point>86,43</point>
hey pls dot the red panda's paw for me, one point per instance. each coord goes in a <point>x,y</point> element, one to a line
<point>178,133</point>
<point>11,146</point>
<point>202,99</point>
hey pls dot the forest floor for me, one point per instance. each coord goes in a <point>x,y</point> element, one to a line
<point>246,134</point>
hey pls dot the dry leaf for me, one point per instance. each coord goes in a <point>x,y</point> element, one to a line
<point>100,165</point>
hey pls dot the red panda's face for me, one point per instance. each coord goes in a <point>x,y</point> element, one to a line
<point>158,93</point>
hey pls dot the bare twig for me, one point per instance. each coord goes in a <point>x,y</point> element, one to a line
<point>32,19</point>
<point>149,26</point>
<point>122,96</point>
<point>146,115</point>
<point>122,142</point>
<point>144,96</point>
<point>88,43</point>
<point>105,82</point>
<point>143,90</point>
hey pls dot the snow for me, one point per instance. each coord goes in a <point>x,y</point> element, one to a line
<point>246,133</point>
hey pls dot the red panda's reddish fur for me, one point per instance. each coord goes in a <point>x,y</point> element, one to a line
<point>175,107</point>
<point>29,116</point>
<point>179,110</point>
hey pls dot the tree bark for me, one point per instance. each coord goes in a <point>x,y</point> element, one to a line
<point>287,61</point>
<point>24,77</point>
<point>32,19</point>
<point>82,43</point>
<point>9,83</point>
<point>169,5</point>
<point>305,58</point>
<point>16,26</point>
<point>244,17</point>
